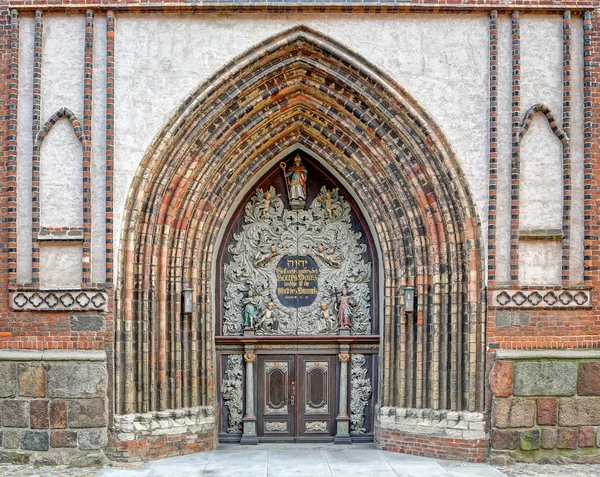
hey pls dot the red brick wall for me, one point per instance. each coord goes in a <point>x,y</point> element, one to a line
<point>470,450</point>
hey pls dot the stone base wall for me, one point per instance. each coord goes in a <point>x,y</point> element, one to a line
<point>53,406</point>
<point>546,406</point>
<point>433,433</point>
<point>154,435</point>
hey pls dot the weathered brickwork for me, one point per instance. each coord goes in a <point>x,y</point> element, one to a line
<point>546,409</point>
<point>538,408</point>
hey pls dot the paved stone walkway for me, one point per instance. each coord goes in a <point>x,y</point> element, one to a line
<point>300,460</point>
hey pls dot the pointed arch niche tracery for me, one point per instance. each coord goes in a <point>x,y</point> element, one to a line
<point>301,89</point>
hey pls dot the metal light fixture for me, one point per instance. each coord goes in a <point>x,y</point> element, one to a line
<point>187,300</point>
<point>409,299</point>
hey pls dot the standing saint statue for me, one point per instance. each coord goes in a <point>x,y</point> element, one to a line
<point>296,178</point>
<point>345,305</point>
<point>250,313</point>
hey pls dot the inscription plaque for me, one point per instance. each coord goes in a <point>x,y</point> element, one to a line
<point>297,277</point>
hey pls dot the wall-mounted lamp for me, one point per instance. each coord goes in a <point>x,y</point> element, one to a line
<point>187,300</point>
<point>409,299</point>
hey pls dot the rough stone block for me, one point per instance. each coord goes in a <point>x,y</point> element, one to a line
<point>588,383</point>
<point>8,380</point>
<point>16,458</point>
<point>567,438</point>
<point>58,414</point>
<point>513,412</point>
<point>579,412</point>
<point>586,436</point>
<point>549,438</point>
<point>530,440</point>
<point>501,379</point>
<point>39,414</point>
<point>87,413</point>
<point>545,378</point>
<point>90,439</point>
<point>84,380</point>
<point>11,439</point>
<point>32,380</point>
<point>546,411</point>
<point>506,319</point>
<point>63,439</point>
<point>15,413</point>
<point>35,440</point>
<point>87,323</point>
<point>502,440</point>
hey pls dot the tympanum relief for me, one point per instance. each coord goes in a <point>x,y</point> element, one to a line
<point>297,271</point>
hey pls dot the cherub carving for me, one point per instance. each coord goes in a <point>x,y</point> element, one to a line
<point>263,257</point>
<point>326,256</point>
<point>329,201</point>
<point>269,318</point>
<point>266,200</point>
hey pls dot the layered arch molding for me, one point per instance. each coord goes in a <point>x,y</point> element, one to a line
<point>301,89</point>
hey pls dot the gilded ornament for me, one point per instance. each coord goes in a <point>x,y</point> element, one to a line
<point>344,357</point>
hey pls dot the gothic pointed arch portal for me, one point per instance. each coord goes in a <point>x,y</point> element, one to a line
<point>299,89</point>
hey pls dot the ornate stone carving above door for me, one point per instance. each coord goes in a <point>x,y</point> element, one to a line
<point>288,267</point>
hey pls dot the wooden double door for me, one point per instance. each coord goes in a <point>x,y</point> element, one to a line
<point>296,398</point>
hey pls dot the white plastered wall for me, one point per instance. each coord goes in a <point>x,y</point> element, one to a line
<point>441,60</point>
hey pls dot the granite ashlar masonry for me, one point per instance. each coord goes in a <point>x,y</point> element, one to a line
<point>53,406</point>
<point>546,406</point>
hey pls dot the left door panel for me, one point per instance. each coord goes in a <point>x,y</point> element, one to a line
<point>276,400</point>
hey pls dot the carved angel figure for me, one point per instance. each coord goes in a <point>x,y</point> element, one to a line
<point>263,257</point>
<point>269,318</point>
<point>329,201</point>
<point>265,201</point>
<point>326,256</point>
<point>327,318</point>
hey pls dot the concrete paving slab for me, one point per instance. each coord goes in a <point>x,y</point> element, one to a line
<point>220,469</point>
<point>178,470</point>
<point>473,471</point>
<point>419,469</point>
<point>116,472</point>
<point>299,469</point>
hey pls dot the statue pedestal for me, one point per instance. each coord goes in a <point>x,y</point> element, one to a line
<point>249,331</point>
<point>342,434</point>
<point>249,437</point>
<point>344,331</point>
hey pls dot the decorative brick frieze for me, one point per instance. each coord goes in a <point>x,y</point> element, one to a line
<point>566,149</point>
<point>59,300</point>
<point>541,298</point>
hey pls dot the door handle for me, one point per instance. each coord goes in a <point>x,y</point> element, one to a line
<point>293,393</point>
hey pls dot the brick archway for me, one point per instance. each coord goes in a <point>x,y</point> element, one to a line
<point>301,88</point>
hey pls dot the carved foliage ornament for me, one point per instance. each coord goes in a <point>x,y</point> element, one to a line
<point>323,235</point>
<point>231,390</point>
<point>360,393</point>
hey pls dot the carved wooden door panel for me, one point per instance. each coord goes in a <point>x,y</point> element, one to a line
<point>316,398</point>
<point>276,400</point>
